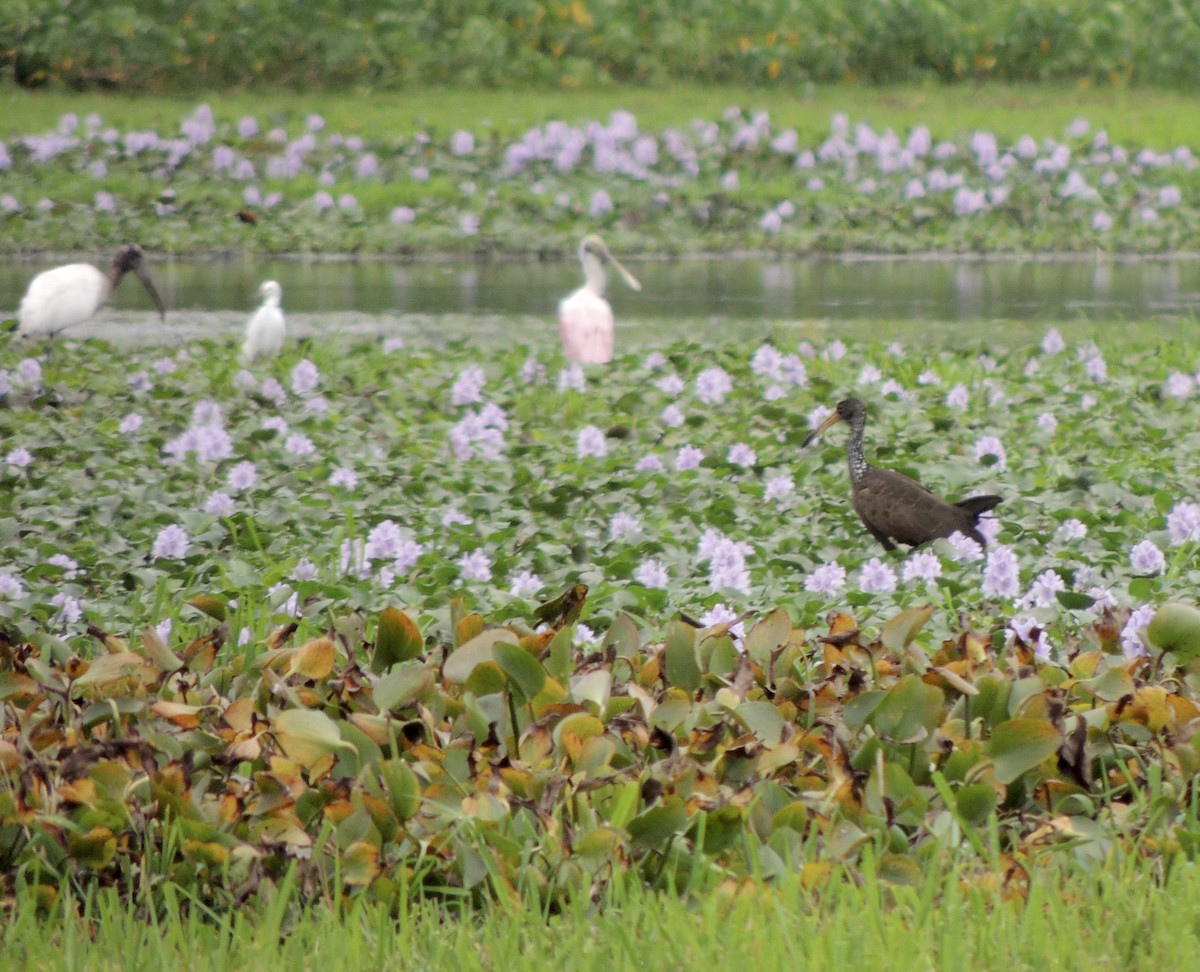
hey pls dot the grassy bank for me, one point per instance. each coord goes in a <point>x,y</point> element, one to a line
<point>1141,116</point>
<point>947,920</point>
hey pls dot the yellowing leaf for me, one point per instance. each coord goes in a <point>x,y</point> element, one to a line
<point>622,636</point>
<point>899,631</point>
<point>81,791</point>
<point>486,807</point>
<point>571,731</point>
<point>463,660</point>
<point>94,849</point>
<point>360,863</point>
<point>184,716</point>
<point>601,842</point>
<point>955,680</point>
<point>313,660</point>
<point>158,652</point>
<point>594,687</point>
<point>469,626</point>
<point>397,639</point>
<point>109,669</point>
<point>769,634</point>
<point>487,678</point>
<point>205,852</point>
<point>212,606</point>
<point>679,656</point>
<point>898,869</point>
<point>777,757</point>
<point>305,736</point>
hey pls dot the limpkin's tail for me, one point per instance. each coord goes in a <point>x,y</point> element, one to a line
<point>978,505</point>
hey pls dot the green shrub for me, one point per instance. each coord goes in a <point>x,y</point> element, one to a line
<point>163,45</point>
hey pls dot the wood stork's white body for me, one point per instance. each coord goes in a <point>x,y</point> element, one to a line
<point>71,294</point>
<point>61,298</point>
<point>266,329</point>
<point>585,319</point>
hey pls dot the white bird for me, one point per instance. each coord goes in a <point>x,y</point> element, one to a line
<point>585,321</point>
<point>265,330</point>
<point>69,295</point>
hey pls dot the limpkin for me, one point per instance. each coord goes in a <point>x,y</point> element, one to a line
<point>893,506</point>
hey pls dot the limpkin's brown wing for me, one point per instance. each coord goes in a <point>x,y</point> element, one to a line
<point>891,504</point>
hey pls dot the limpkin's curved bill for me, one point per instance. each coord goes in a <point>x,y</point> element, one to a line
<point>820,429</point>
<point>893,506</point>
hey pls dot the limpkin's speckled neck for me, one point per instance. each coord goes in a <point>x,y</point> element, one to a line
<point>854,448</point>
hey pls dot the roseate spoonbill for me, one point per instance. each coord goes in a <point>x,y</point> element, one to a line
<point>894,507</point>
<point>585,321</point>
<point>70,295</point>
<point>265,330</point>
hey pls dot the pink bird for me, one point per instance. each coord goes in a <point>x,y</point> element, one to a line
<point>585,321</point>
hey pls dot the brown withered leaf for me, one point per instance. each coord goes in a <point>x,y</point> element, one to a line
<point>183,716</point>
<point>116,673</point>
<point>202,652</point>
<point>843,630</point>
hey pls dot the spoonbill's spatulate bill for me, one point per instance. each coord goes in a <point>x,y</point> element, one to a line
<point>71,294</point>
<point>266,330</point>
<point>893,506</point>
<point>585,320</point>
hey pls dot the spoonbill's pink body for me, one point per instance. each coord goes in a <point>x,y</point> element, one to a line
<point>585,319</point>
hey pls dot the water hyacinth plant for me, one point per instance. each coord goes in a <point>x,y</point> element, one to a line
<point>188,427</point>
<point>738,181</point>
<point>434,616</point>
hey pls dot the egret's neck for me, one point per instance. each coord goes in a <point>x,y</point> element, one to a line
<point>271,300</point>
<point>593,270</point>
<point>854,451</point>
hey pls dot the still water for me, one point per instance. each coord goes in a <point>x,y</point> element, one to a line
<point>728,297</point>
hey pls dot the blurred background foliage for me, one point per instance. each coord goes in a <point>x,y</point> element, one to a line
<point>167,45</point>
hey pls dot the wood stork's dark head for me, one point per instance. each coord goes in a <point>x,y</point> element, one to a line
<point>129,259</point>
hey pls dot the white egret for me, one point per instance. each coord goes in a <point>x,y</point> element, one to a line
<point>265,330</point>
<point>585,320</point>
<point>71,294</point>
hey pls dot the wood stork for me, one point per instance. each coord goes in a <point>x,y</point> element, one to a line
<point>585,321</point>
<point>70,295</point>
<point>265,330</point>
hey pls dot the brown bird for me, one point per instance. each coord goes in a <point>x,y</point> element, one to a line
<point>894,507</point>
